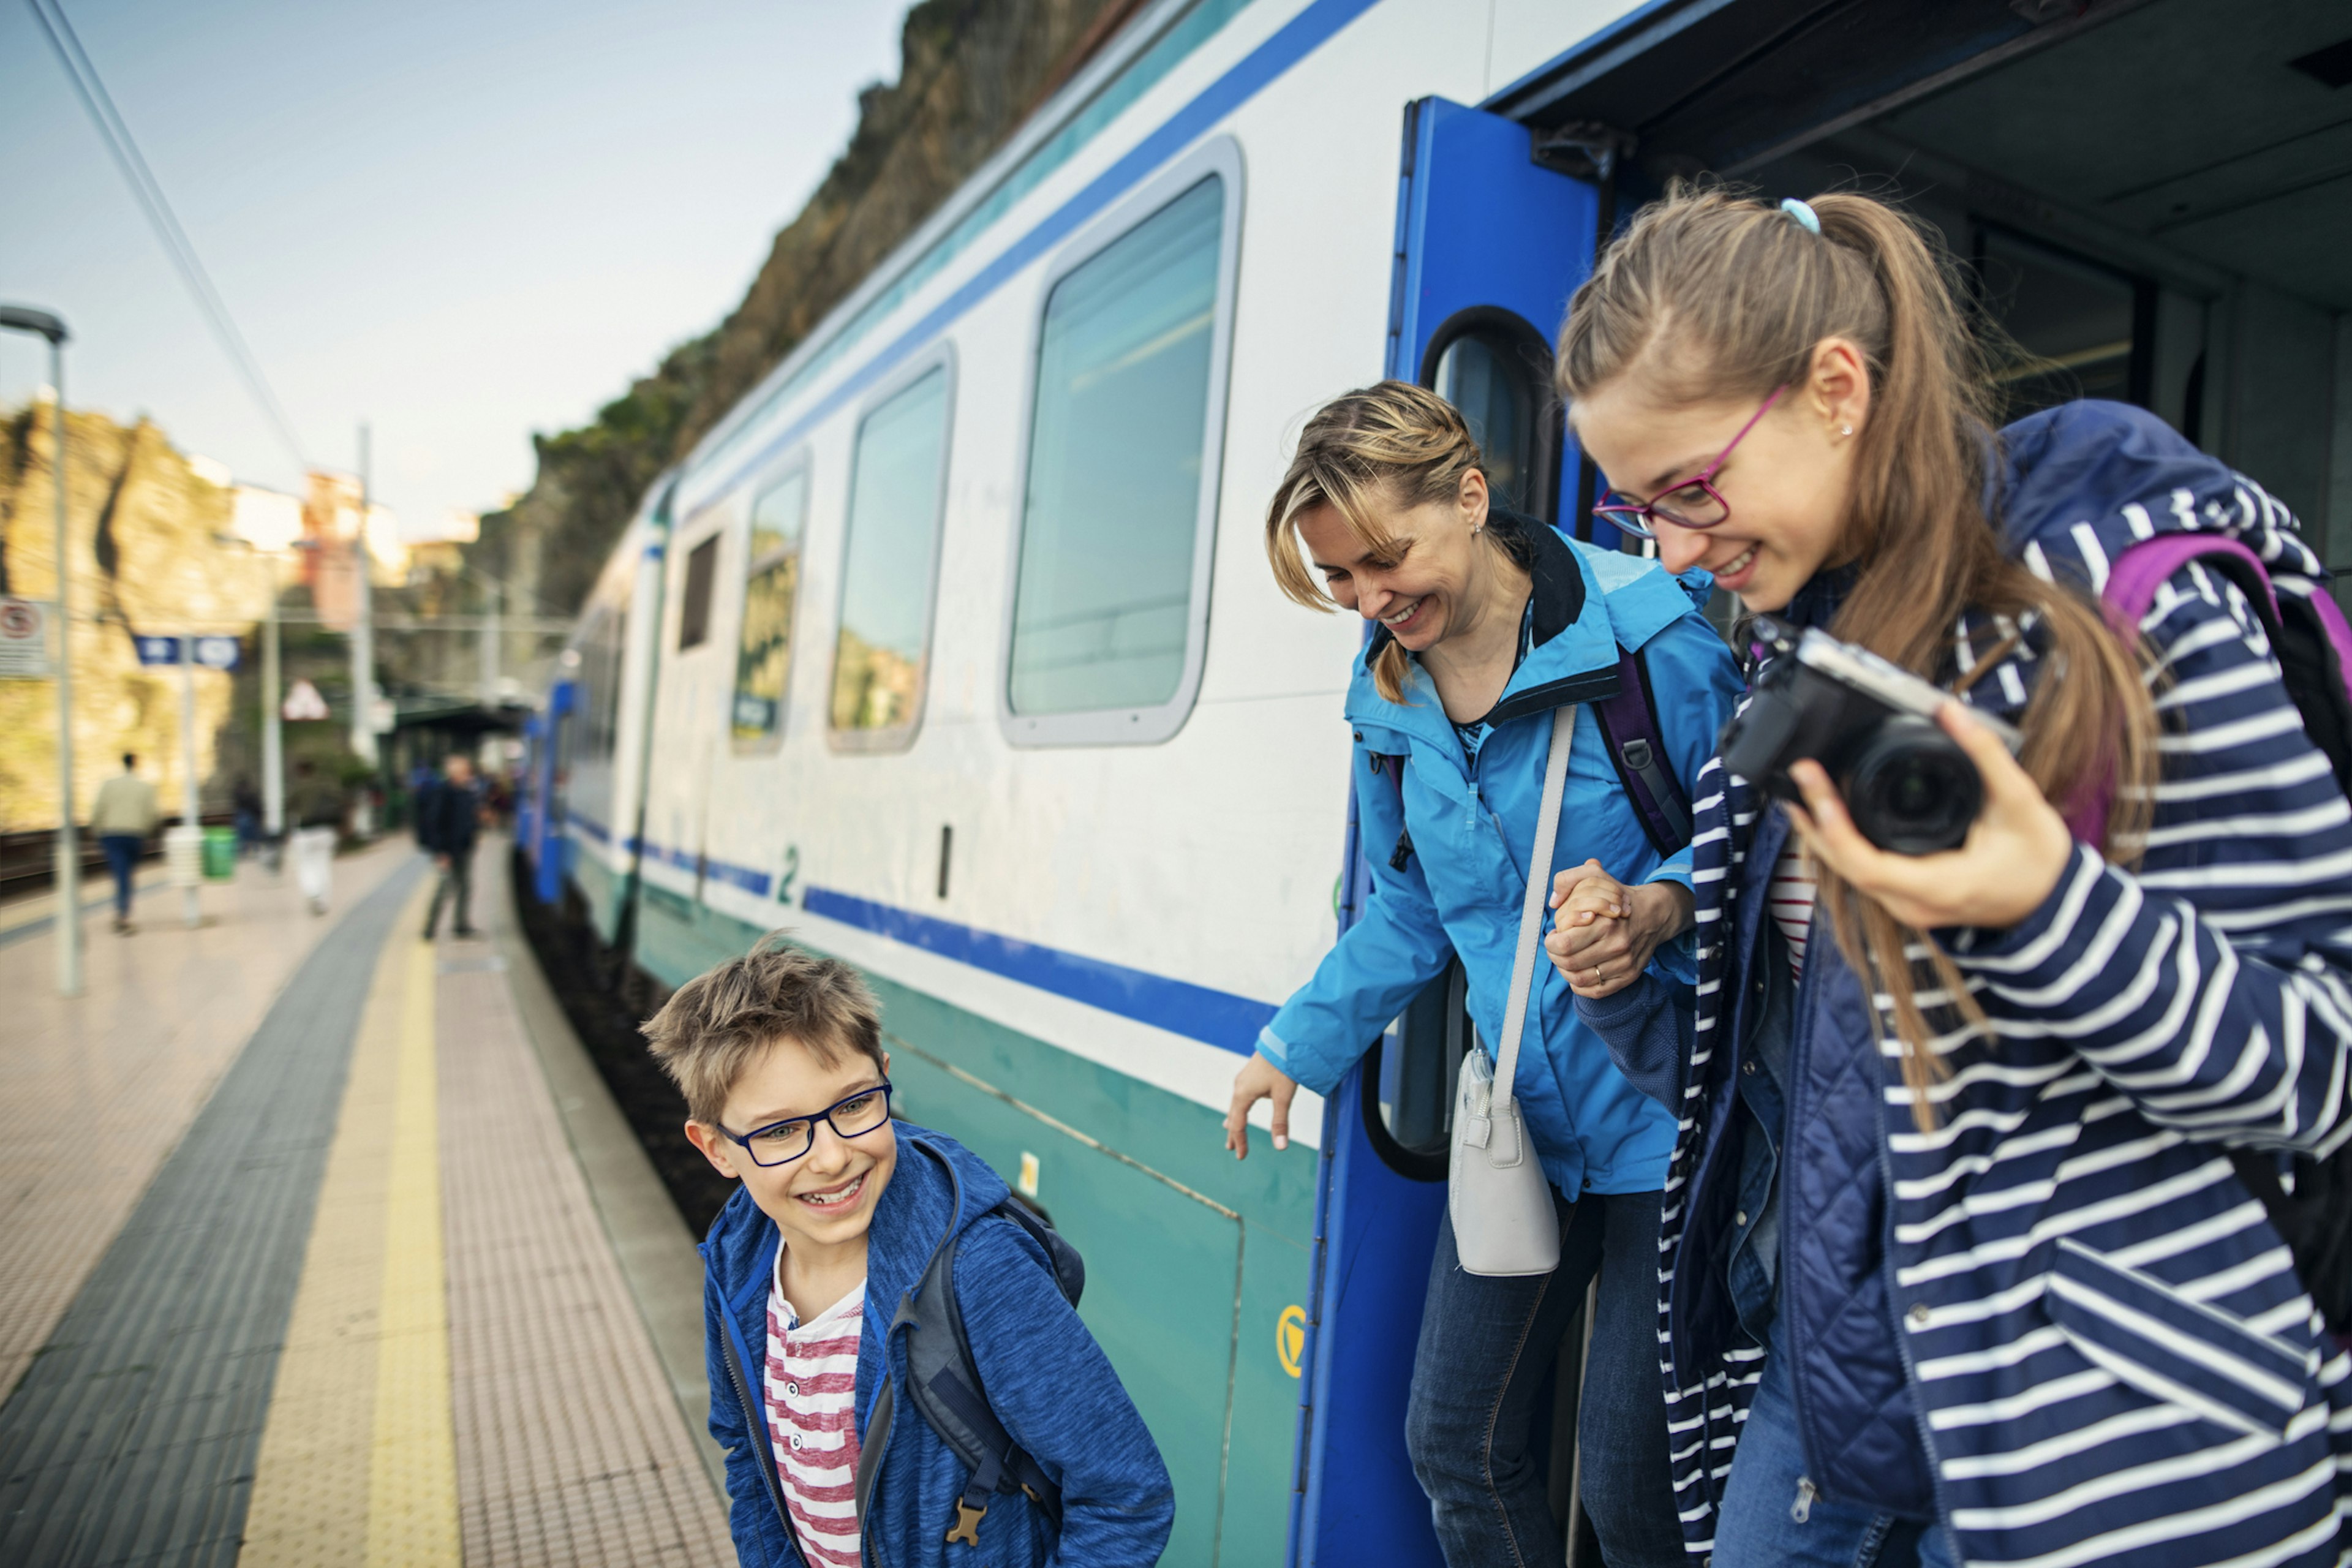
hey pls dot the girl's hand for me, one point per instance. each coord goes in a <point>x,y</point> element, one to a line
<point>1605,933</point>
<point>2017,848</point>
<point>1259,1079</point>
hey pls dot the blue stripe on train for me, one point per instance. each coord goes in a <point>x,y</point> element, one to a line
<point>1218,1019</point>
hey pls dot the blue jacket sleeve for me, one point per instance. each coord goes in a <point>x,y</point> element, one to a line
<point>2209,985</point>
<point>1059,1398</point>
<point>751,1515</point>
<point>1648,1028</point>
<point>1396,947</point>
<point>1696,683</point>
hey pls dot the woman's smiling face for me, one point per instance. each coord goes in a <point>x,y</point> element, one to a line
<point>1787,485</point>
<point>1425,584</point>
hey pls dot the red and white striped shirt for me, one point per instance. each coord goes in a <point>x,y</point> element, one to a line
<point>1792,899</point>
<point>812,1396</point>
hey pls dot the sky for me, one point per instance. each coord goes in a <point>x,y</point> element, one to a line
<point>460,222</point>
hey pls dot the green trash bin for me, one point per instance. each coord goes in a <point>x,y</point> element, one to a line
<point>220,853</point>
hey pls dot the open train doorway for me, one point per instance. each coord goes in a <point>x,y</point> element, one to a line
<point>2153,200</point>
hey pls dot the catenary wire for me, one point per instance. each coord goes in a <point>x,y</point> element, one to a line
<point>91,90</point>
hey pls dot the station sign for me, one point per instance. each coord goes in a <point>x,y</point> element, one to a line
<point>25,640</point>
<point>211,652</point>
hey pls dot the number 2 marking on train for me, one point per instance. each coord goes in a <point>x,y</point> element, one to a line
<point>792,870</point>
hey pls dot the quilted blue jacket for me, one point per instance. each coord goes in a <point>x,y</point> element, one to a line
<point>2058,1323</point>
<point>1046,1379</point>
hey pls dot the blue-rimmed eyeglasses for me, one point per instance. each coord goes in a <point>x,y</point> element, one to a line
<point>781,1142</point>
<point>1694,503</point>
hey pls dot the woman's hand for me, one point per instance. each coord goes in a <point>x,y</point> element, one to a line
<point>2017,848</point>
<point>1605,933</point>
<point>1259,1079</point>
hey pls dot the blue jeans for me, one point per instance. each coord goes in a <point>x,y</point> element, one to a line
<point>123,859</point>
<point>1486,1345</point>
<point>1759,1526</point>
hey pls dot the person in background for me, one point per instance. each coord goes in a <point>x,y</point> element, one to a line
<point>315,805</point>
<point>448,815</point>
<point>122,817</point>
<point>245,801</point>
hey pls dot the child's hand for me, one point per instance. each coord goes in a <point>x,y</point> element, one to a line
<point>1259,1079</point>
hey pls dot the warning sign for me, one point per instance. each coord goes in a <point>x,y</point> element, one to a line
<point>23,640</point>
<point>303,702</point>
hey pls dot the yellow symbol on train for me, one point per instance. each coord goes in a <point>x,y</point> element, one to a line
<point>1290,1337</point>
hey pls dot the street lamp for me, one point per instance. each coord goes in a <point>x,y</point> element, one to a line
<point>67,872</point>
<point>273,750</point>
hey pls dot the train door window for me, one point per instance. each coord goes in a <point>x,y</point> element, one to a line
<point>889,563</point>
<point>1410,1074</point>
<point>2079,329</point>
<point>694,615</point>
<point>1497,369</point>
<point>771,576</point>
<point>1110,588</point>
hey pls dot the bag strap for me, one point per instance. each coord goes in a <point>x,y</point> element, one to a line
<point>1531,912</point>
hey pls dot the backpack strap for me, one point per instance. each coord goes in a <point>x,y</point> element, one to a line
<point>945,1385</point>
<point>1637,747</point>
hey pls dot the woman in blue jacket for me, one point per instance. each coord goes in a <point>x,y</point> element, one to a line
<point>1956,1265</point>
<point>1484,623</point>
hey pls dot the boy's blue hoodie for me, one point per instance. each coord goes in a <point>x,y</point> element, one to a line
<point>1047,1380</point>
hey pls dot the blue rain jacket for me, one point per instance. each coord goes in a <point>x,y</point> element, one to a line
<point>1046,1379</point>
<point>1473,832</point>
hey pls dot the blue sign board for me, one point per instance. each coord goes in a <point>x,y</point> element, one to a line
<point>212,652</point>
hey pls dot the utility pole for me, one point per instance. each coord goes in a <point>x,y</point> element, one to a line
<point>273,740</point>
<point>491,633</point>
<point>66,867</point>
<point>364,631</point>
<point>192,912</point>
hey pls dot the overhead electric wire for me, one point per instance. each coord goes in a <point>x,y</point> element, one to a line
<point>174,240</point>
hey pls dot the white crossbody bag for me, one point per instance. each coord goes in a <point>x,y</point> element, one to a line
<point>1504,1223</point>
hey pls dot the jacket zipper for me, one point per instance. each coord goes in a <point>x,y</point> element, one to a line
<point>763,1452</point>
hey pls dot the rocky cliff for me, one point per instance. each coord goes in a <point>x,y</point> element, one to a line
<point>970,72</point>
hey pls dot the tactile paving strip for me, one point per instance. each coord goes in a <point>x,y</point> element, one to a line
<point>132,1436</point>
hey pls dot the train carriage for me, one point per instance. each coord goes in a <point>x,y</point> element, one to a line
<point>952,648</point>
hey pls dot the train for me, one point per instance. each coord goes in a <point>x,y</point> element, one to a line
<point>953,649</point>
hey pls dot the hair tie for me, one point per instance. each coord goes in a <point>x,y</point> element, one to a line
<point>1806,218</point>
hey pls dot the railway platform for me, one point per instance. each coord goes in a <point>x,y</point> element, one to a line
<point>323,1245</point>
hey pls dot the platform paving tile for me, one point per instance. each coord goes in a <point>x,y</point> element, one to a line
<point>96,1090</point>
<point>569,1445</point>
<point>131,1436</point>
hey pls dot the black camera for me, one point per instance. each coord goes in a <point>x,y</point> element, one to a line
<point>1872,726</point>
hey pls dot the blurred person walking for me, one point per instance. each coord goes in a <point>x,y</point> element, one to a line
<point>121,819</point>
<point>246,802</point>
<point>315,805</point>
<point>448,816</point>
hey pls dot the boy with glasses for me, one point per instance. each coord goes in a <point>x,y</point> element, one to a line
<point>787,1087</point>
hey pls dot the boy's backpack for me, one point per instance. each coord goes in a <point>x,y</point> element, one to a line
<point>1637,748</point>
<point>2314,644</point>
<point>944,1383</point>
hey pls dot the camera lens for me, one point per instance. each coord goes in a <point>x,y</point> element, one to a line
<point>1911,789</point>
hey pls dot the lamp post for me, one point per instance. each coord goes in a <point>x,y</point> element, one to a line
<point>67,871</point>
<point>273,746</point>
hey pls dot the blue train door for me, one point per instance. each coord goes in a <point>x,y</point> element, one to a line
<point>1490,244</point>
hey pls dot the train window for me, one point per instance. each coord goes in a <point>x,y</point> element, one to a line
<point>889,565</point>
<point>694,616</point>
<point>2076,328</point>
<point>1109,596</point>
<point>772,577</point>
<point>1497,369</point>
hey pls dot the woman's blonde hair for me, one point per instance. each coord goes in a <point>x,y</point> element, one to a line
<point>1710,296</point>
<point>1393,442</point>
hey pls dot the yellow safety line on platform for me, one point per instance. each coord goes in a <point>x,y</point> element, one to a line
<point>359,1366</point>
<point>412,1482</point>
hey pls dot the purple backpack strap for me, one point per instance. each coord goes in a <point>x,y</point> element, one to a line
<point>1629,724</point>
<point>2133,579</point>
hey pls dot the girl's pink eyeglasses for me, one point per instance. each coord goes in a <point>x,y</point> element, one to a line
<point>1694,503</point>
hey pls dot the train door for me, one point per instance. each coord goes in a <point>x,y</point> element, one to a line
<point>1490,244</point>
<point>545,839</point>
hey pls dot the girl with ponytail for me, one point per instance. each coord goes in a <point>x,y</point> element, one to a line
<point>1956,1264</point>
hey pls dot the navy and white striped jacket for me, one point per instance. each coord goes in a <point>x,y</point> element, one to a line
<point>2104,1350</point>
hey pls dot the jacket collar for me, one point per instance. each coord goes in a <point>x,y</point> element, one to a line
<point>1574,660</point>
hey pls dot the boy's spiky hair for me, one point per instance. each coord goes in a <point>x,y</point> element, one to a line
<point>716,1024</point>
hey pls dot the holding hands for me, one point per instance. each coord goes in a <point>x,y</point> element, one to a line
<point>1604,933</point>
